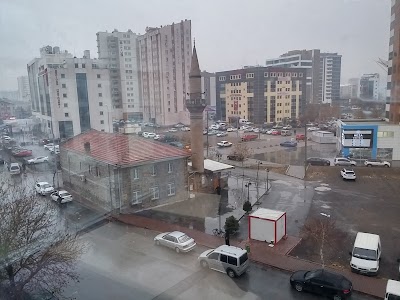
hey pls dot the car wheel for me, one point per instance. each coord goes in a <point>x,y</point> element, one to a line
<point>386,166</point>
<point>157,242</point>
<point>327,164</point>
<point>231,273</point>
<point>337,297</point>
<point>298,287</point>
<point>177,250</point>
<point>369,166</point>
<point>204,264</point>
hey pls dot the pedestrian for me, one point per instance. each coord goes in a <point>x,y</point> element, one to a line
<point>23,167</point>
<point>227,238</point>
<point>218,190</point>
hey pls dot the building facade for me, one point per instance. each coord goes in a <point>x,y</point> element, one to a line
<point>120,174</point>
<point>355,82</point>
<point>208,87</point>
<point>24,93</point>
<point>369,87</point>
<point>164,56</point>
<point>70,95</point>
<point>310,61</point>
<point>6,109</point>
<point>120,49</point>
<point>330,70</point>
<point>261,94</point>
<point>393,78</point>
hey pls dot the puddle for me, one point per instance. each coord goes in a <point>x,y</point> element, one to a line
<point>323,189</point>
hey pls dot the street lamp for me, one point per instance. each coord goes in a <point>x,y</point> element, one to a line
<point>267,179</point>
<point>248,191</point>
<point>258,169</point>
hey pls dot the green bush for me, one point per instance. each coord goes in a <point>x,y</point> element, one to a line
<point>247,206</point>
<point>231,224</point>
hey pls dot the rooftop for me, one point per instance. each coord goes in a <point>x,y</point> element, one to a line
<point>264,213</point>
<point>123,150</point>
<point>214,166</point>
<point>364,122</point>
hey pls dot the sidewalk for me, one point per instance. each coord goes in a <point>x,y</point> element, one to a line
<point>260,252</point>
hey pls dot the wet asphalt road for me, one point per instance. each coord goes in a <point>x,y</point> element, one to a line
<point>123,263</point>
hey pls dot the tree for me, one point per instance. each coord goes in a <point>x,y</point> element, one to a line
<point>241,150</point>
<point>37,256</point>
<point>247,206</point>
<point>231,225</point>
<point>359,114</point>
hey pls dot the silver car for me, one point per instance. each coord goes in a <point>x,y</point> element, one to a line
<point>342,161</point>
<point>176,240</point>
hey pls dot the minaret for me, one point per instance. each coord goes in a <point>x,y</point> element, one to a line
<point>195,104</point>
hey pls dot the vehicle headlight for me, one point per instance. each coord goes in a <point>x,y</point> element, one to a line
<point>373,269</point>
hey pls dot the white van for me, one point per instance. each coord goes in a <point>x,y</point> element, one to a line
<point>366,254</point>
<point>392,290</point>
<point>15,169</point>
<point>227,259</point>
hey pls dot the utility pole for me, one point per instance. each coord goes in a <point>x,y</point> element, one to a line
<point>207,134</point>
<point>258,169</point>
<point>305,162</point>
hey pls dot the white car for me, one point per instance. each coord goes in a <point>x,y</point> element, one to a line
<point>342,161</point>
<point>205,131</point>
<point>256,130</point>
<point>185,128</point>
<point>151,135</point>
<point>312,128</point>
<point>172,130</point>
<point>222,134</point>
<point>288,127</point>
<point>44,188</point>
<point>63,194</point>
<point>157,137</point>
<point>231,129</point>
<point>176,240</point>
<point>214,127</point>
<point>348,174</point>
<point>145,134</point>
<point>48,146</point>
<point>54,148</point>
<point>224,144</point>
<point>377,163</point>
<point>270,131</point>
<point>37,160</point>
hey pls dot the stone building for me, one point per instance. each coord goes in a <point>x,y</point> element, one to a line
<point>118,173</point>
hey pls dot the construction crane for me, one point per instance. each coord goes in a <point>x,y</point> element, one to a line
<point>384,64</point>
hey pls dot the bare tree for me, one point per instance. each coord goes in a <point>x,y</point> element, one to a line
<point>323,232</point>
<point>241,150</point>
<point>37,255</point>
<point>359,114</point>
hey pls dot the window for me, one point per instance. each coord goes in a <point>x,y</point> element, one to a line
<point>64,85</point>
<point>221,78</point>
<point>101,113</point>
<point>155,193</point>
<point>171,189</point>
<point>98,76</point>
<point>101,121</point>
<point>223,258</point>
<point>100,94</point>
<point>64,95</point>
<point>136,198</point>
<point>62,75</point>
<point>170,168</point>
<point>135,174</point>
<point>300,74</point>
<point>249,75</point>
<point>232,260</point>
<point>76,65</point>
<point>100,103</point>
<point>153,170</point>
<point>294,74</point>
<point>235,77</point>
<point>83,66</point>
<point>66,115</point>
<point>266,74</point>
<point>385,134</point>
<point>214,256</point>
<point>65,104</point>
<point>99,85</point>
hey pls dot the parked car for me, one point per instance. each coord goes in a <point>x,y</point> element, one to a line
<point>48,146</point>
<point>322,282</point>
<point>172,129</point>
<point>377,163</point>
<point>312,128</point>
<point>231,260</point>
<point>285,132</point>
<point>185,128</point>
<point>151,135</point>
<point>248,129</point>
<point>205,131</point>
<point>157,137</point>
<point>38,160</point>
<point>23,153</point>
<point>212,132</point>
<point>179,125</point>
<point>316,161</point>
<point>256,130</point>
<point>300,137</point>
<point>176,240</point>
<point>249,137</point>
<point>288,144</point>
<point>275,132</point>
<point>270,131</point>
<point>342,161</point>
<point>14,169</point>
<point>287,127</point>
<point>61,196</point>
<point>348,174</point>
<point>237,157</point>
<point>222,134</point>
<point>44,188</point>
<point>224,144</point>
<point>231,129</point>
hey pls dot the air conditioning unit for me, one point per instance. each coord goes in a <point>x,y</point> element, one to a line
<point>82,178</point>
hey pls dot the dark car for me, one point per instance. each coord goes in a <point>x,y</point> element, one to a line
<point>236,157</point>
<point>322,282</point>
<point>288,144</point>
<point>316,161</point>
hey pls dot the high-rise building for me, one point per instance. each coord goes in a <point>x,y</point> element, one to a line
<point>24,93</point>
<point>330,69</point>
<point>261,94</point>
<point>208,87</point>
<point>355,83</point>
<point>369,86</point>
<point>322,72</point>
<point>70,95</point>
<point>393,78</point>
<point>164,57</point>
<point>121,51</point>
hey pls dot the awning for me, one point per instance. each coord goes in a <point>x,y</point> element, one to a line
<point>214,166</point>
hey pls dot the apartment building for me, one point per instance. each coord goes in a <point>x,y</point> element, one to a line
<point>164,57</point>
<point>369,86</point>
<point>70,95</point>
<point>261,94</point>
<point>120,49</point>
<point>24,94</point>
<point>330,70</point>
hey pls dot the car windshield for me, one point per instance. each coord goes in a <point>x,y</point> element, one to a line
<point>311,274</point>
<point>46,185</point>
<point>243,258</point>
<point>64,194</point>
<point>183,238</point>
<point>366,254</point>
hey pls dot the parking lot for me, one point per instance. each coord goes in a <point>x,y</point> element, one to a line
<point>370,204</point>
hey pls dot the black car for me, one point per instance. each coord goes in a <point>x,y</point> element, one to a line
<point>316,161</point>
<point>322,282</point>
<point>237,157</point>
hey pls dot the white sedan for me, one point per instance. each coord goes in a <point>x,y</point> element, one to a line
<point>176,240</point>
<point>172,130</point>
<point>61,196</point>
<point>151,135</point>
<point>224,144</point>
<point>43,188</point>
<point>222,134</point>
<point>312,128</point>
<point>48,146</point>
<point>38,160</point>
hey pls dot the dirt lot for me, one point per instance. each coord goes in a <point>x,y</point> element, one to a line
<point>371,204</point>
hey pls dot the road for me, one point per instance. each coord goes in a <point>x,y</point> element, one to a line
<point>122,262</point>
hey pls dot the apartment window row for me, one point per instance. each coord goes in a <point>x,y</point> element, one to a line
<point>388,134</point>
<point>136,175</point>
<point>280,74</point>
<point>249,75</point>
<point>236,77</point>
<point>154,193</point>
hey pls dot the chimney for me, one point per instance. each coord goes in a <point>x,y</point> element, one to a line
<point>86,145</point>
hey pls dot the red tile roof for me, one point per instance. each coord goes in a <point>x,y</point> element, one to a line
<point>120,149</point>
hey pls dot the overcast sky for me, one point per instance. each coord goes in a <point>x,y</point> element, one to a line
<point>229,34</point>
